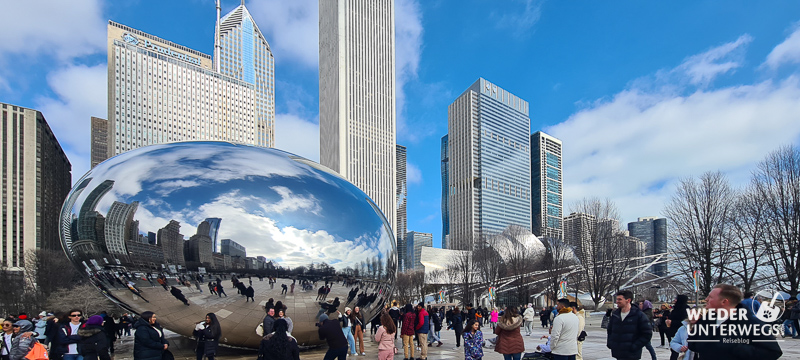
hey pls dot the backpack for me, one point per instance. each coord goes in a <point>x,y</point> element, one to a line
<point>38,352</point>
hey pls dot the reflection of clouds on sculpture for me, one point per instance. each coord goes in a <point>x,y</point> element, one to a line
<point>181,209</point>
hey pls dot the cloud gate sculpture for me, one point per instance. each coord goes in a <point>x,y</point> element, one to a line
<point>158,227</point>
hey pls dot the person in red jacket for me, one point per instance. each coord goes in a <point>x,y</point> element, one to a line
<point>407,332</point>
<point>422,328</point>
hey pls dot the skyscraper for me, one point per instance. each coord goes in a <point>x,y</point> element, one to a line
<point>357,96</point>
<point>242,52</point>
<point>546,186</point>
<point>117,229</point>
<point>402,195</point>
<point>171,241</point>
<point>36,178</point>
<point>415,241</point>
<point>653,232</point>
<point>213,224</point>
<point>232,248</point>
<point>445,207</point>
<point>99,140</point>
<point>489,179</point>
<point>160,91</point>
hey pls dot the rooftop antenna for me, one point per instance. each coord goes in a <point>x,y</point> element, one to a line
<point>216,39</point>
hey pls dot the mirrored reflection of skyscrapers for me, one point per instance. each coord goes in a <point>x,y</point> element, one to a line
<point>232,248</point>
<point>118,227</point>
<point>489,164</point>
<point>171,241</point>
<point>213,230</point>
<point>87,215</point>
<point>546,186</point>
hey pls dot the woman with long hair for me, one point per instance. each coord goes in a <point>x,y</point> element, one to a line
<point>473,341</point>
<point>208,333</point>
<point>509,339</point>
<point>357,322</point>
<point>407,331</point>
<point>385,337</point>
<point>281,314</point>
<point>279,345</point>
<point>148,342</point>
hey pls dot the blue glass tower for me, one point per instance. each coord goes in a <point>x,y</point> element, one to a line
<point>489,180</point>
<point>243,53</point>
<point>213,231</point>
<point>547,189</point>
<point>445,208</point>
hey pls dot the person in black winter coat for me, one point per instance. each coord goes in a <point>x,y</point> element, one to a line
<point>94,341</point>
<point>457,325</point>
<point>208,333</point>
<point>279,345</point>
<point>250,294</point>
<point>677,315</point>
<point>629,330</point>
<point>111,330</point>
<point>178,294</point>
<point>330,331</point>
<point>149,342</point>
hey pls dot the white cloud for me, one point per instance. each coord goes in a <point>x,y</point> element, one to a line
<point>292,202</point>
<point>787,52</point>
<point>413,174</point>
<point>703,68</point>
<point>81,92</point>
<point>634,146</point>
<point>408,50</point>
<point>291,28</point>
<point>297,135</point>
<point>64,29</point>
<point>520,22</point>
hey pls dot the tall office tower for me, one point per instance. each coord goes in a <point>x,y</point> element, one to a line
<point>99,140</point>
<point>232,248</point>
<point>414,242</point>
<point>445,207</point>
<point>489,178</point>
<point>547,193</point>
<point>578,229</point>
<point>357,96</point>
<point>89,234</point>
<point>171,241</point>
<point>402,195</point>
<point>118,224</point>
<point>36,179</point>
<point>242,52</point>
<point>159,92</point>
<point>198,249</point>
<point>213,224</point>
<point>653,232</point>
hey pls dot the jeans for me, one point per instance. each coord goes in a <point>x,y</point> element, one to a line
<point>789,329</point>
<point>73,357</point>
<point>340,354</point>
<point>528,327</point>
<point>350,340</point>
<point>512,356</point>
<point>432,336</point>
<point>652,351</point>
<point>563,357</point>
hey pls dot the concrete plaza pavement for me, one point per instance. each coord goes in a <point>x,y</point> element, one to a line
<point>594,348</point>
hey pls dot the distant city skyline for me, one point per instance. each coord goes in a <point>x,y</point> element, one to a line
<point>633,95</point>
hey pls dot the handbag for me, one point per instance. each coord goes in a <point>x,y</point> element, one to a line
<point>167,355</point>
<point>37,352</point>
<point>260,329</point>
<point>582,336</point>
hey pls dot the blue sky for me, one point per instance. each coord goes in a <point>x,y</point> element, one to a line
<point>641,93</point>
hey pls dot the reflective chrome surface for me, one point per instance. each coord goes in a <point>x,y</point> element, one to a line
<point>195,212</point>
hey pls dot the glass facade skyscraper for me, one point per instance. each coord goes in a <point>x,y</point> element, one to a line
<point>414,243</point>
<point>546,186</point>
<point>489,164</point>
<point>402,198</point>
<point>244,54</point>
<point>445,206</point>
<point>653,232</point>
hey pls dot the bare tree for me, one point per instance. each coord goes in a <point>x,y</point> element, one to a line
<point>749,248</point>
<point>84,297</point>
<point>560,258</point>
<point>700,213</point>
<point>604,252</point>
<point>463,273</point>
<point>777,185</point>
<point>519,256</point>
<point>488,261</point>
<point>403,287</point>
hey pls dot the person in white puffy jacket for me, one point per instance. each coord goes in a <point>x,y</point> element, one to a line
<point>529,315</point>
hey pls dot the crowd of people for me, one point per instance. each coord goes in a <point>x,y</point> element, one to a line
<point>630,327</point>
